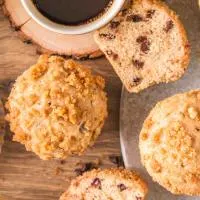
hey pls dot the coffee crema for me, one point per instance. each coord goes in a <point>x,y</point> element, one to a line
<point>72,12</point>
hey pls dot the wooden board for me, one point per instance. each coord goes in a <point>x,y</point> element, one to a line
<point>79,46</point>
<point>23,176</point>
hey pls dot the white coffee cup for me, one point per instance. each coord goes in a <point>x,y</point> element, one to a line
<point>78,29</point>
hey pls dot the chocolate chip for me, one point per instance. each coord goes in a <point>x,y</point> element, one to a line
<point>124,12</point>
<point>145,47</point>
<point>136,81</point>
<point>150,14</point>
<point>145,44</point>
<point>117,160</point>
<point>82,128</point>
<point>122,187</point>
<point>108,36</point>
<point>114,24</point>
<point>115,56</point>
<point>84,168</point>
<point>138,64</point>
<point>96,183</point>
<point>134,18</point>
<point>169,26</point>
<point>141,39</point>
<point>112,54</point>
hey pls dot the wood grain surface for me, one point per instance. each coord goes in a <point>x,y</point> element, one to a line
<point>23,176</point>
<point>79,46</point>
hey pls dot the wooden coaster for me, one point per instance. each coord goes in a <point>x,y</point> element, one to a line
<point>78,46</point>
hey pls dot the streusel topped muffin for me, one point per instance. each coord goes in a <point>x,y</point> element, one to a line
<point>57,108</point>
<point>170,143</point>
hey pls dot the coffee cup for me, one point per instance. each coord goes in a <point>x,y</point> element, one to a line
<point>89,26</point>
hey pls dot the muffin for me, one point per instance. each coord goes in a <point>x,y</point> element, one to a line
<point>170,143</point>
<point>117,184</point>
<point>146,45</point>
<point>57,108</point>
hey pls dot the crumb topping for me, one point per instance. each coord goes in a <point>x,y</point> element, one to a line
<point>57,107</point>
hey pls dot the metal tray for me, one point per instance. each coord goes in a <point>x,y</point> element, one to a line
<point>135,107</point>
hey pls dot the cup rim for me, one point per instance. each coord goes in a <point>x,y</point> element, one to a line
<point>72,30</point>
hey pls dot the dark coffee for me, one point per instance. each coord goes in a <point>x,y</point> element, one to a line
<point>72,12</point>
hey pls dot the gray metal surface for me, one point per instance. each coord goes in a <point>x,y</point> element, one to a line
<point>135,107</point>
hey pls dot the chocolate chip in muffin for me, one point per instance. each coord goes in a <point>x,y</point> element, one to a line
<point>145,47</point>
<point>138,64</point>
<point>136,81</point>
<point>145,43</point>
<point>122,187</point>
<point>96,183</point>
<point>108,36</point>
<point>124,12</point>
<point>141,39</point>
<point>134,18</point>
<point>169,26</point>
<point>114,24</point>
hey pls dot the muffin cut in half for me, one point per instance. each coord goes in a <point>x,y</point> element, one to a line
<point>146,44</point>
<point>116,184</point>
